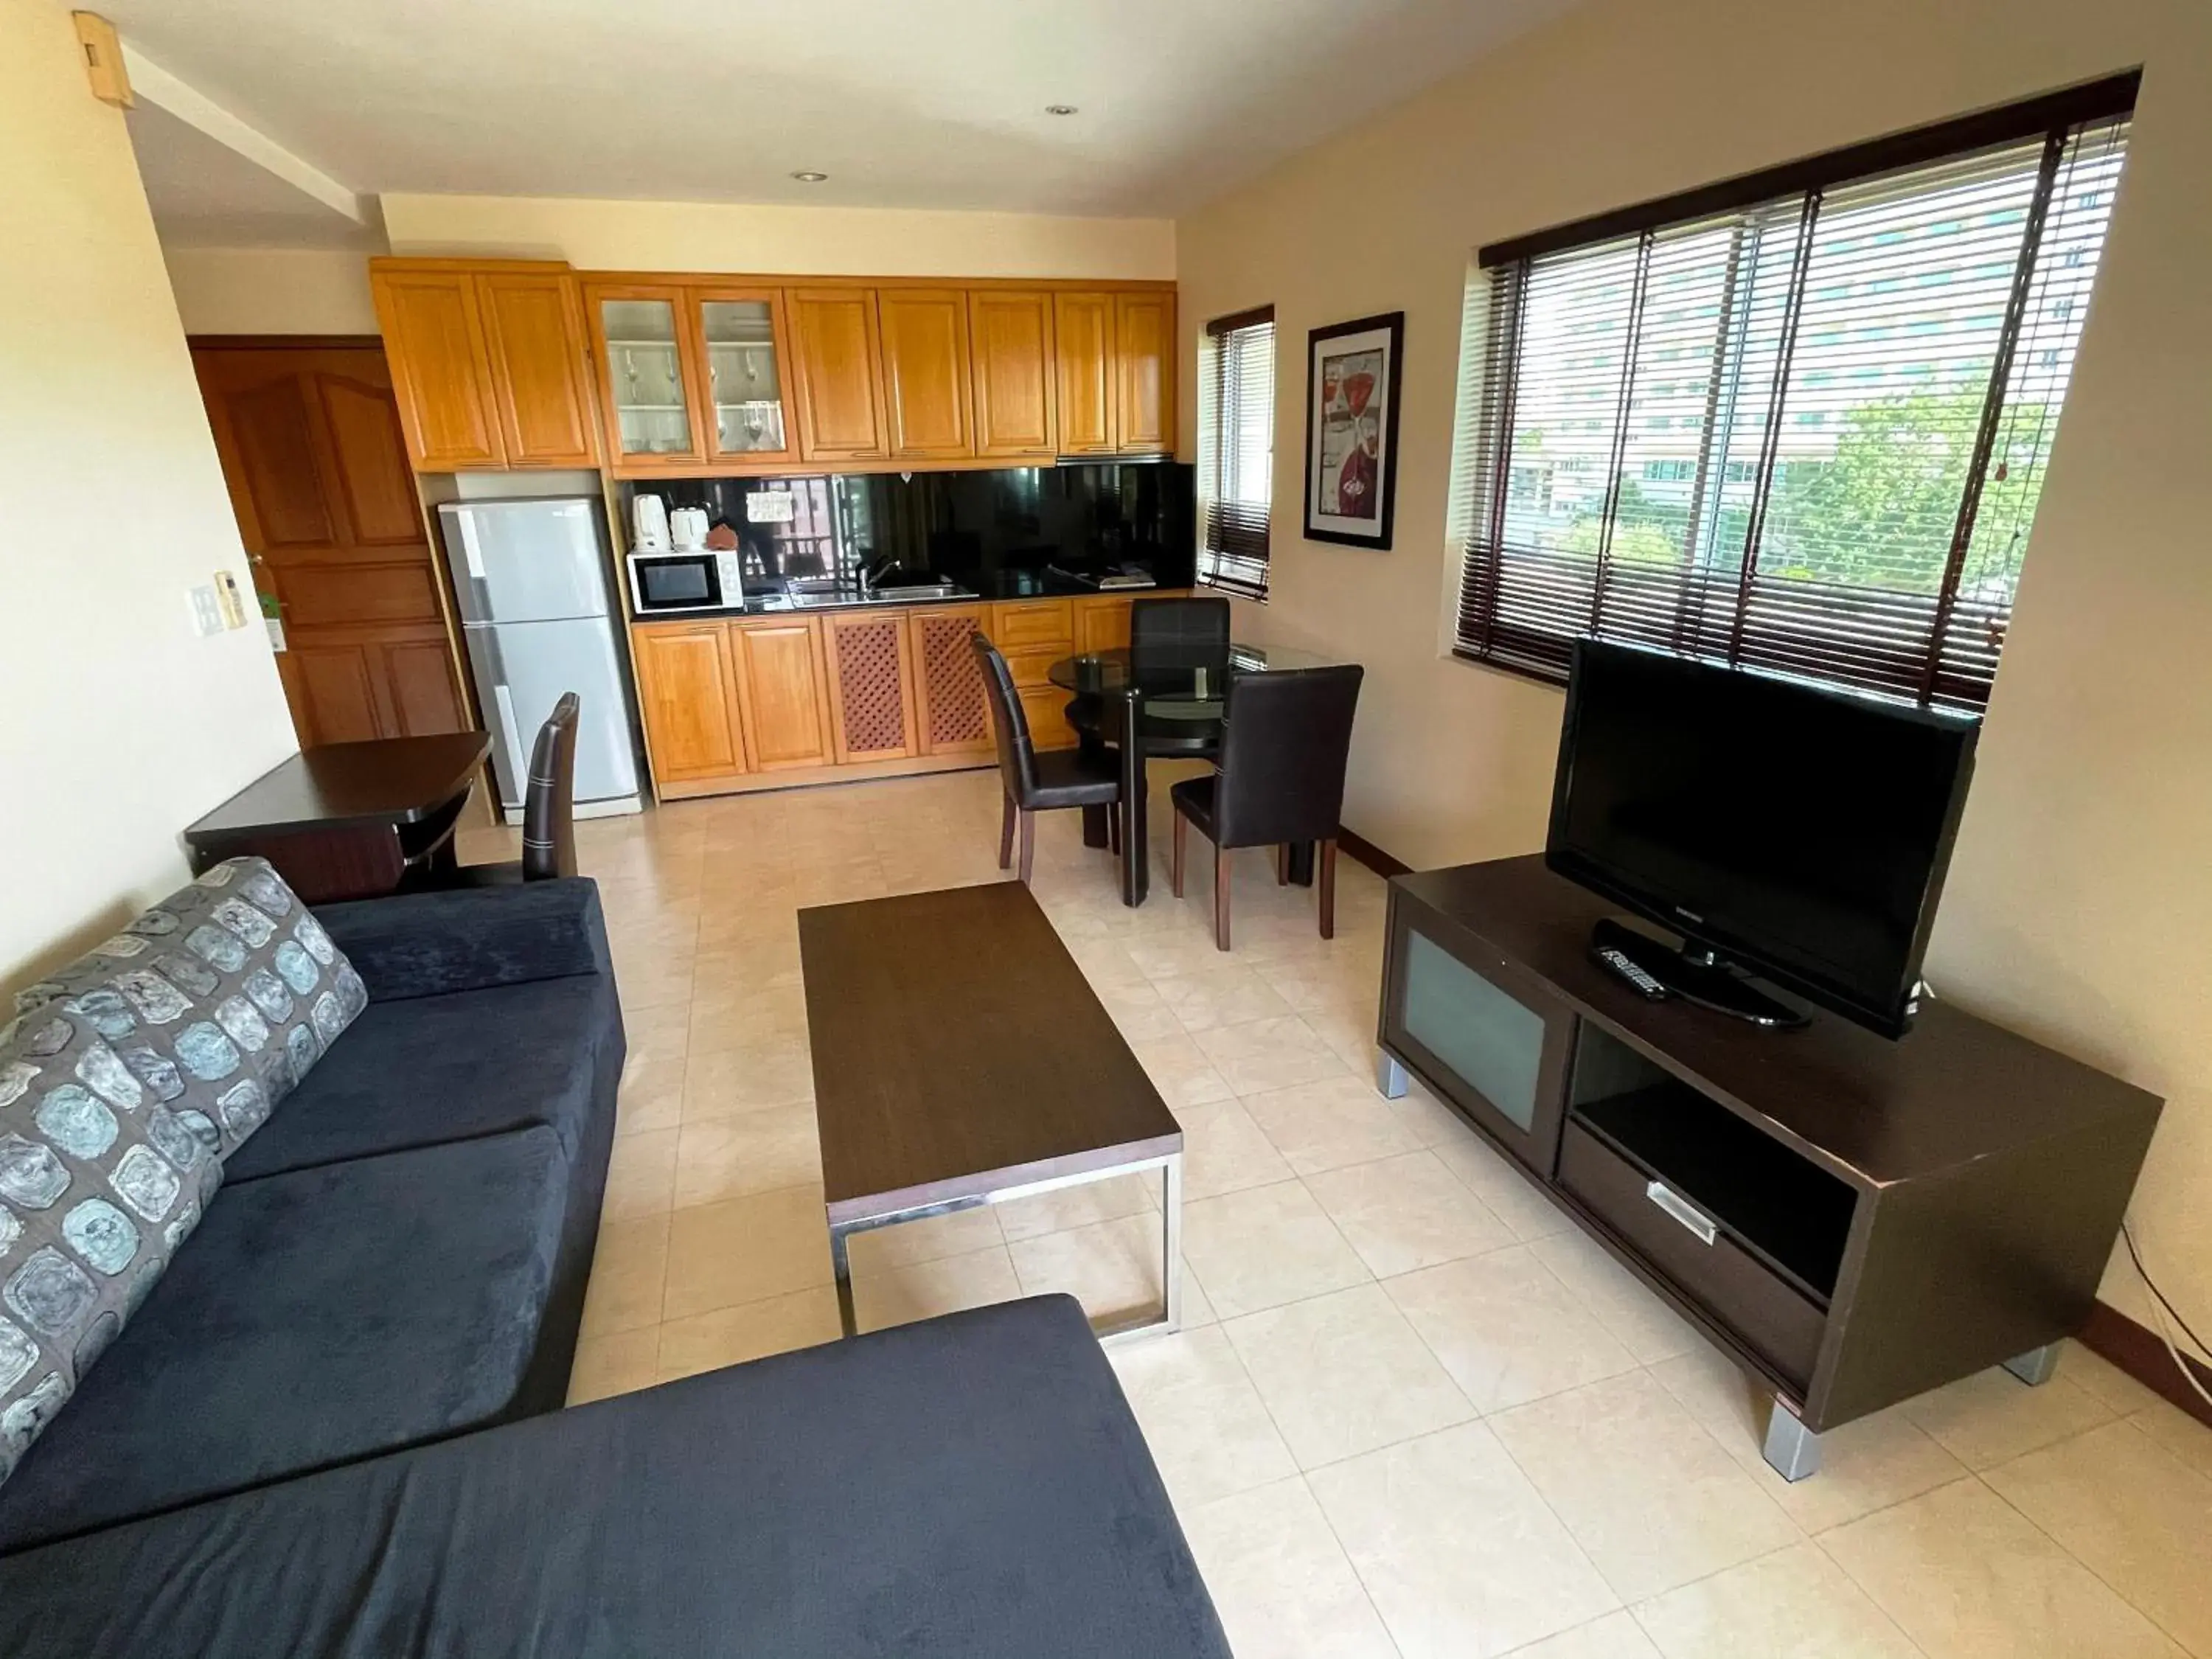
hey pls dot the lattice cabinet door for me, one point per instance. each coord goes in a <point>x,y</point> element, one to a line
<point>955,716</point>
<point>871,701</point>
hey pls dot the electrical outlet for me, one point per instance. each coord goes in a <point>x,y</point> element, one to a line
<point>228,600</point>
<point>207,613</point>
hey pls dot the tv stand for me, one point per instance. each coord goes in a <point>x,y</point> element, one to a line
<point>1696,974</point>
<point>1853,1220</point>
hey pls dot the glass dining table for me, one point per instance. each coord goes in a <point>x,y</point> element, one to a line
<point>1171,705</point>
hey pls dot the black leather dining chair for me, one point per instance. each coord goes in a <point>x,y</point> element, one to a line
<point>1189,633</point>
<point>1285,739</point>
<point>548,815</point>
<point>1035,782</point>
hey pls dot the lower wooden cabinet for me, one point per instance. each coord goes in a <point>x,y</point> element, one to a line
<point>952,711</point>
<point>687,689</point>
<point>1102,624</point>
<point>783,694</point>
<point>871,701</point>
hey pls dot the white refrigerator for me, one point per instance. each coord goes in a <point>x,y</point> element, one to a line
<point>529,577</point>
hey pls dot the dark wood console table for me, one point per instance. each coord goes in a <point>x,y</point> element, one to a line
<point>1855,1220</point>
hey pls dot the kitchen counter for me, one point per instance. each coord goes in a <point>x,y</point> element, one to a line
<point>849,598</point>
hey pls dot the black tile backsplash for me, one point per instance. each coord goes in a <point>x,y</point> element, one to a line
<point>1000,531</point>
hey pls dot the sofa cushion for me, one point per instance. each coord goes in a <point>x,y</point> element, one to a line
<point>973,1486</point>
<point>318,1317</point>
<point>228,984</point>
<point>100,1183</point>
<point>431,1069</point>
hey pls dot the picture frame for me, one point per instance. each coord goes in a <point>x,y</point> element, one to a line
<point>1352,430</point>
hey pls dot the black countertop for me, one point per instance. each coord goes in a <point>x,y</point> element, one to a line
<point>779,605</point>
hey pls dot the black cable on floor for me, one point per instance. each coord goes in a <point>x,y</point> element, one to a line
<point>2173,1312</point>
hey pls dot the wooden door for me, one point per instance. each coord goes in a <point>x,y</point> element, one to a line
<point>687,689</point>
<point>1010,334</point>
<point>651,387</point>
<point>540,368</point>
<point>1083,355</point>
<point>952,711</point>
<point>1144,377</point>
<point>311,449</point>
<point>1102,624</point>
<point>782,702</point>
<point>926,408</point>
<point>433,325</point>
<point>871,700</point>
<point>838,351</point>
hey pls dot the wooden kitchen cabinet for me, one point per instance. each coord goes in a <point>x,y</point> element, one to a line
<point>1145,371</point>
<point>871,676</point>
<point>743,350</point>
<point>1083,356</point>
<point>432,321</point>
<point>1102,624</point>
<point>540,368</point>
<point>952,713</point>
<point>783,698</point>
<point>928,405</point>
<point>687,689</point>
<point>837,351</point>
<point>655,388</point>
<point>1009,340</point>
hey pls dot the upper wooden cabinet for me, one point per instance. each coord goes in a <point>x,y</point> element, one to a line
<point>837,362</point>
<point>651,376</point>
<point>1144,376</point>
<point>744,352</point>
<point>926,399</point>
<point>541,377</point>
<point>1084,341</point>
<point>1010,347</point>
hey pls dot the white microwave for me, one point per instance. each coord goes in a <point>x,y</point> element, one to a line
<point>702,579</point>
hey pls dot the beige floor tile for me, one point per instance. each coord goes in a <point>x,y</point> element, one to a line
<point>1616,1636</point>
<point>1638,1320</point>
<point>630,1264</point>
<point>1311,981</point>
<point>1865,1466</point>
<point>756,1152</point>
<point>1203,1419</point>
<point>1968,1577</point>
<point>899,1295</point>
<point>1406,1213</point>
<point>1280,1579</point>
<point>1330,1122</point>
<point>1139,1012</point>
<point>641,1177</point>
<point>1113,1269</point>
<point>1224,1152</point>
<point>2179,1433</point>
<point>2112,1388</point>
<point>745,1249</point>
<point>1220,996</point>
<point>1427,1119</point>
<point>1509,1195</point>
<point>731,1336</point>
<point>1506,1329</point>
<point>2134,1514</point>
<point>1648,1494</point>
<point>1343,1374</point>
<point>1993,1417</point>
<point>1794,1604</point>
<point>1266,1246</point>
<point>620,1362</point>
<point>1263,1054</point>
<point>1459,1553</point>
<point>930,1239</point>
<point>774,1018</point>
<point>1181,1073</point>
<point>1084,1204</point>
<point>1176,954</point>
<point>719,1082</point>
<point>1105,961</point>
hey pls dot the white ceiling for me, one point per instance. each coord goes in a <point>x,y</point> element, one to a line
<point>904,103</point>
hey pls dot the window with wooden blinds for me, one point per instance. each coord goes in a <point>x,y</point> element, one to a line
<point>1237,451</point>
<point>1798,420</point>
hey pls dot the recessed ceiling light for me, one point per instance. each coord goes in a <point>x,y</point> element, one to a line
<point>1060,109</point>
<point>809,178</point>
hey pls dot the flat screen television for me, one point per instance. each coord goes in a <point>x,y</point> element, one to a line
<point>1786,830</point>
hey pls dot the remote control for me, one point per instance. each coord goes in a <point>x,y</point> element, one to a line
<point>1618,960</point>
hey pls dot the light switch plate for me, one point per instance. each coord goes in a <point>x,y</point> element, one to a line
<point>207,613</point>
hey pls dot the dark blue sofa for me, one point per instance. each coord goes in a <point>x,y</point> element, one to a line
<point>333,1429</point>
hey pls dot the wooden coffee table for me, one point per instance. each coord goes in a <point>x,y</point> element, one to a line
<point>962,1059</point>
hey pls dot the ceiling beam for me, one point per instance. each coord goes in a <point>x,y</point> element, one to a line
<point>158,87</point>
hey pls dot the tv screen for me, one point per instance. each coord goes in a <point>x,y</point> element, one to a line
<point>1801,832</point>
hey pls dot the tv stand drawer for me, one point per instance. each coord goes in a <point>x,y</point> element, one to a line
<point>1765,1311</point>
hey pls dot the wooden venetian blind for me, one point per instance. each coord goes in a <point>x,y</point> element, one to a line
<point>1237,451</point>
<point>1798,420</point>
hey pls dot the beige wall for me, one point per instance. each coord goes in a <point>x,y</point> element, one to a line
<point>251,290</point>
<point>2082,892</point>
<point>118,723</point>
<point>604,235</point>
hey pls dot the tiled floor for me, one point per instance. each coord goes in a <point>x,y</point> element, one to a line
<point>1414,1412</point>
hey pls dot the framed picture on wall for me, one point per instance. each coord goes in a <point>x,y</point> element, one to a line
<point>1352,430</point>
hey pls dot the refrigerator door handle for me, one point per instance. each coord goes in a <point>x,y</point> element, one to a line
<point>480,593</point>
<point>510,732</point>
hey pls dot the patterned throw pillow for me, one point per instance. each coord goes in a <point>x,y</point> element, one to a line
<point>99,1182</point>
<point>218,999</point>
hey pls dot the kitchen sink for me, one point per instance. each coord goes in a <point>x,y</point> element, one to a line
<point>819,599</point>
<point>921,590</point>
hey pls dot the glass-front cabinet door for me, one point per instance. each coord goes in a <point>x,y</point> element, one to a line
<point>651,390</point>
<point>747,354</point>
<point>1478,1031</point>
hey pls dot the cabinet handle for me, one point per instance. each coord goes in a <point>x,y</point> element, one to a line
<point>1691,1218</point>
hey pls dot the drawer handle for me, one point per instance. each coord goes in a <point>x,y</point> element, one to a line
<point>1691,1218</point>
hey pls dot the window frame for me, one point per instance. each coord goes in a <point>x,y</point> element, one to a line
<point>1216,562</point>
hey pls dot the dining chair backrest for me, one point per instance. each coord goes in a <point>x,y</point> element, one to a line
<point>1285,740</point>
<point>549,803</point>
<point>1010,725</point>
<point>1177,633</point>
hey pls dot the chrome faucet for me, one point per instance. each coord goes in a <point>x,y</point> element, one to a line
<point>868,576</point>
